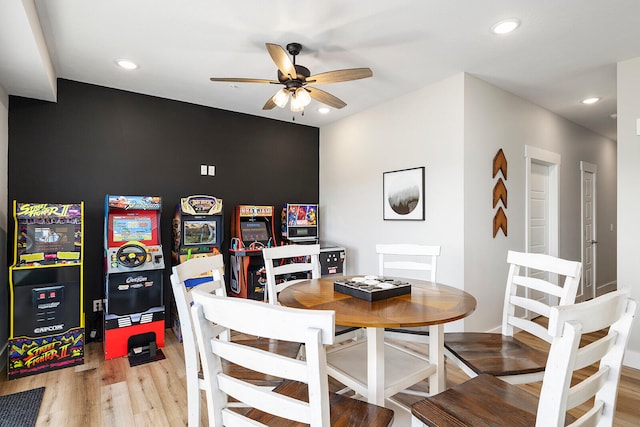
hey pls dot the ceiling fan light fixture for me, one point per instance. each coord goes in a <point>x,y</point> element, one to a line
<point>281,97</point>
<point>302,96</point>
<point>296,105</point>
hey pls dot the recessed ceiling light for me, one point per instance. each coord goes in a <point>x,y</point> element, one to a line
<point>505,26</point>
<point>324,110</point>
<point>591,100</point>
<point>126,64</point>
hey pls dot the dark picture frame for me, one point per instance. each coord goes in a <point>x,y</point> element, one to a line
<point>403,195</point>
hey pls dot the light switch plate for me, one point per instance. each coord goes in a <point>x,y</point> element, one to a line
<point>203,169</point>
<point>212,170</point>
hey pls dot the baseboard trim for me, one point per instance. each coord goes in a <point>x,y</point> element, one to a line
<point>631,359</point>
<point>606,288</point>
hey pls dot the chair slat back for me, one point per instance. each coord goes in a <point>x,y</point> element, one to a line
<point>404,258</point>
<point>567,324</point>
<point>280,261</point>
<point>208,270</point>
<point>535,283</point>
<point>204,267</point>
<point>313,328</point>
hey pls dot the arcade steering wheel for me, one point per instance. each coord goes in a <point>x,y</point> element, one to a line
<point>131,255</point>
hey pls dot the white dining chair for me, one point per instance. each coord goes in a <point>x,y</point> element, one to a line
<point>207,273</point>
<point>535,283</point>
<point>290,264</point>
<point>486,400</point>
<point>303,397</point>
<point>413,261</point>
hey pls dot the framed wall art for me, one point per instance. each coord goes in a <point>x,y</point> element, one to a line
<point>403,194</point>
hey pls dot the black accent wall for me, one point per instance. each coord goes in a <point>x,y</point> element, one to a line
<point>96,141</point>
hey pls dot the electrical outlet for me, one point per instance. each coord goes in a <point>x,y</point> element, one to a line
<point>97,305</point>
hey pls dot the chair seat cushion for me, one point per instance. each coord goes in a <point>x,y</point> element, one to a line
<point>345,411</point>
<point>495,354</point>
<point>480,401</point>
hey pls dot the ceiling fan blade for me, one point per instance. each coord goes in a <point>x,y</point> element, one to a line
<point>241,80</point>
<point>340,76</point>
<point>325,97</point>
<point>269,104</point>
<point>281,60</point>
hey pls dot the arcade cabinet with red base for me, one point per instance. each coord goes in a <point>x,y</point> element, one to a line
<point>46,308</point>
<point>134,312</point>
<point>252,229</point>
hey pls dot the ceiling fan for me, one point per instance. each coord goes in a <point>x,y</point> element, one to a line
<point>296,79</point>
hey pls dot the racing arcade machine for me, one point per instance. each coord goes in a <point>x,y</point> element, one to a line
<point>46,307</point>
<point>251,229</point>
<point>134,310</point>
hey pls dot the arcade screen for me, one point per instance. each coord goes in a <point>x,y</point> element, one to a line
<point>302,221</point>
<point>50,238</point>
<point>255,231</point>
<point>200,232</point>
<point>133,227</point>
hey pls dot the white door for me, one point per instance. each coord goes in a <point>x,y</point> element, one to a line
<point>588,173</point>
<point>542,184</point>
<point>539,209</point>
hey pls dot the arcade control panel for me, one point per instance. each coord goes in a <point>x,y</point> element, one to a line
<point>133,257</point>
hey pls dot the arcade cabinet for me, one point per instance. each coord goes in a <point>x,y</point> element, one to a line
<point>197,228</point>
<point>198,231</point>
<point>300,223</point>
<point>300,226</point>
<point>45,280</point>
<point>134,310</point>
<point>252,229</point>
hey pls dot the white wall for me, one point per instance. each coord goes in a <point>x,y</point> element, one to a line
<point>424,128</point>
<point>628,184</point>
<point>454,128</point>
<point>495,119</point>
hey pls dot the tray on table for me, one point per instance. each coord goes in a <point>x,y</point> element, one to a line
<point>372,288</point>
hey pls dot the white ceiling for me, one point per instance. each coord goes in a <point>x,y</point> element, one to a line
<point>563,51</point>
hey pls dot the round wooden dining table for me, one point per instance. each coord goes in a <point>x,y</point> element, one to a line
<point>388,369</point>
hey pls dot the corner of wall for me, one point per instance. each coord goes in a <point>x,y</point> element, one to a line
<point>4,286</point>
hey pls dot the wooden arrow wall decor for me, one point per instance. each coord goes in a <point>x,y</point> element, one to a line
<point>500,193</point>
<point>500,222</point>
<point>500,164</point>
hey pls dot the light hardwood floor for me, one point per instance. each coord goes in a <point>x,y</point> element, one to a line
<point>110,393</point>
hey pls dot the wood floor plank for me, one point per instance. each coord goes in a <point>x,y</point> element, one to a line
<point>104,393</point>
